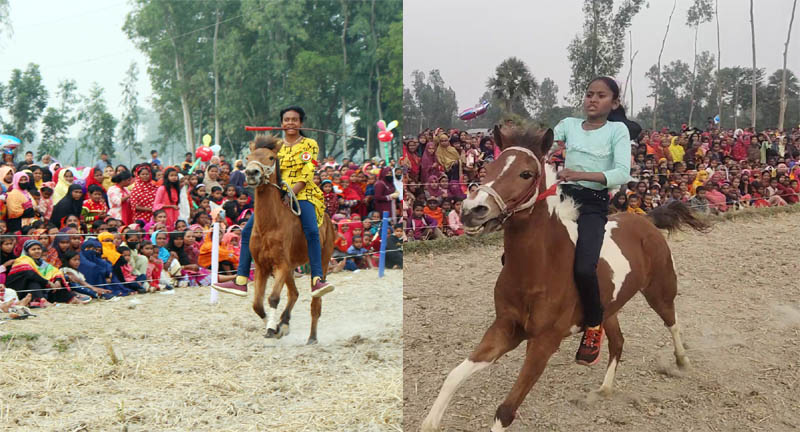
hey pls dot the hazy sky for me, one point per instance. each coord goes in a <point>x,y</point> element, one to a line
<point>467,39</point>
<point>76,39</point>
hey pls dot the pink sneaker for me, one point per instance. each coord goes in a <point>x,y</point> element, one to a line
<point>319,287</point>
<point>231,288</point>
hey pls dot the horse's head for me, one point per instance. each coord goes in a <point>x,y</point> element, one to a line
<point>262,162</point>
<point>513,181</point>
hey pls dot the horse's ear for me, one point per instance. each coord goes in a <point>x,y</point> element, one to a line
<point>252,146</point>
<point>278,144</point>
<point>546,142</point>
<point>498,137</point>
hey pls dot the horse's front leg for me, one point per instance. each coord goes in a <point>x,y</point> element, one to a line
<point>281,272</point>
<point>537,354</point>
<point>502,337</point>
<point>283,326</point>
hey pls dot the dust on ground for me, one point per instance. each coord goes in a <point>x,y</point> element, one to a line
<point>184,364</point>
<point>739,306</point>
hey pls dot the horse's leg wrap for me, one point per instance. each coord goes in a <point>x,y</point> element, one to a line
<point>272,314</point>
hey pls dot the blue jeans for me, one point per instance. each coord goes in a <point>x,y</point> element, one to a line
<point>308,218</point>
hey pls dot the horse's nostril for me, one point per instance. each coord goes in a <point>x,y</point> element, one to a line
<point>480,210</point>
<point>251,173</point>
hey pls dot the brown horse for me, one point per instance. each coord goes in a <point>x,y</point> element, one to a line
<point>277,243</point>
<point>535,295</point>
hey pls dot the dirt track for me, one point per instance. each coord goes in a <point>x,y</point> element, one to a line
<point>186,365</point>
<point>739,305</point>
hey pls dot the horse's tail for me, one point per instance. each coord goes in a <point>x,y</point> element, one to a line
<point>674,216</point>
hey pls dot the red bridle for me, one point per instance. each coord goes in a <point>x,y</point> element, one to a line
<point>528,198</point>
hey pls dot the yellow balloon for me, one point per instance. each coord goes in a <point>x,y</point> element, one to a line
<point>206,140</point>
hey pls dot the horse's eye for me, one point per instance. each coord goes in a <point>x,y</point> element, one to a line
<point>527,175</point>
<point>272,158</point>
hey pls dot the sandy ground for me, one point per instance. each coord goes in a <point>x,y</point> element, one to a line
<point>187,365</point>
<point>739,305</point>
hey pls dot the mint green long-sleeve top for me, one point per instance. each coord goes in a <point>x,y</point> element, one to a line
<point>606,149</point>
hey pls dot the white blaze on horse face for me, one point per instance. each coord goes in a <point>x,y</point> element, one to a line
<point>454,380</point>
<point>612,254</point>
<point>509,161</point>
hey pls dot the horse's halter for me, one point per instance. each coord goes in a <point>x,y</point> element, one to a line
<point>528,198</point>
<point>266,173</point>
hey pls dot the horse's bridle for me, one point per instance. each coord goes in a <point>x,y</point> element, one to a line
<point>266,173</point>
<point>528,198</point>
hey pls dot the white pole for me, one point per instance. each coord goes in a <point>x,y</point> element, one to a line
<point>214,263</point>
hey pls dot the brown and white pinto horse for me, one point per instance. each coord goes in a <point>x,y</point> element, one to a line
<point>535,295</point>
<point>277,243</point>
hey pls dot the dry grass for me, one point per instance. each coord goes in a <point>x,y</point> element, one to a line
<point>174,362</point>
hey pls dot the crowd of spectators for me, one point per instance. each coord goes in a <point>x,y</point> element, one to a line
<point>75,234</point>
<point>714,170</point>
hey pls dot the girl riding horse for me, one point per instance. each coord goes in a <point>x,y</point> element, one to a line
<point>297,158</point>
<point>598,158</point>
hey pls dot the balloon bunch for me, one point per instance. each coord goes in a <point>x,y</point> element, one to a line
<point>9,143</point>
<point>385,135</point>
<point>205,152</point>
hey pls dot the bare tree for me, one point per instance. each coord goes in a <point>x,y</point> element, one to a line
<point>217,128</point>
<point>699,13</point>
<point>755,69</point>
<point>658,76</point>
<point>344,75</point>
<point>629,78</point>
<point>719,56</point>
<point>783,79</point>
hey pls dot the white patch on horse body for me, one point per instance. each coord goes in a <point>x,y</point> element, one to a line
<point>454,380</point>
<point>497,426</point>
<point>566,211</point>
<point>272,318</point>
<point>611,372</point>
<point>612,254</point>
<point>509,160</point>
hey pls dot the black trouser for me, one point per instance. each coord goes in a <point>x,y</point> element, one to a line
<point>591,230</point>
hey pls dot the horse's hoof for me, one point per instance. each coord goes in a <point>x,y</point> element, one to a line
<point>271,334</point>
<point>311,342</point>
<point>683,362</point>
<point>283,330</point>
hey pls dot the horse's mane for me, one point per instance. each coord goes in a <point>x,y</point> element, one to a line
<point>266,141</point>
<point>529,137</point>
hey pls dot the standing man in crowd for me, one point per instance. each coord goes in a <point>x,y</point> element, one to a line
<point>103,163</point>
<point>154,158</point>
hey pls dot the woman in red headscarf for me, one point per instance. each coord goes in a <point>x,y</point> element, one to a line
<point>143,193</point>
<point>411,160</point>
<point>354,192</point>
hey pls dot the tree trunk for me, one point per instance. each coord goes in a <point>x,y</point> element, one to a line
<point>378,104</point>
<point>344,75</point>
<point>217,129</point>
<point>783,78</point>
<point>188,128</point>
<point>658,74</point>
<point>755,71</point>
<point>719,54</point>
<point>736,106</point>
<point>694,76</point>
<point>379,151</point>
<point>596,16</point>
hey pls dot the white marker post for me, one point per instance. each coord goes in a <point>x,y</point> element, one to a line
<point>214,299</point>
